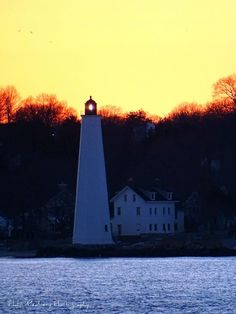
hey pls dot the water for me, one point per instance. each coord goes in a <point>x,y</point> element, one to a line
<point>118,285</point>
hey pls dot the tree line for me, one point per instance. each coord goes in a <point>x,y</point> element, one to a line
<point>44,108</point>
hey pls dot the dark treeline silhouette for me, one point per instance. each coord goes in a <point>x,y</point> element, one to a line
<point>191,151</point>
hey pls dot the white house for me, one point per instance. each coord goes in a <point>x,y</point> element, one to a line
<point>145,211</point>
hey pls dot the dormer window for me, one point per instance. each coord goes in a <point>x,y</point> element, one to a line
<point>169,195</point>
<point>125,197</point>
<point>153,196</point>
<point>134,198</point>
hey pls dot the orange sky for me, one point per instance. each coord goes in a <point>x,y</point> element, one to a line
<point>150,54</point>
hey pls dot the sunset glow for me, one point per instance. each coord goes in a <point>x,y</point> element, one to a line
<point>135,54</point>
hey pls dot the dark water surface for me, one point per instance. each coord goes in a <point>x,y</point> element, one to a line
<point>118,285</point>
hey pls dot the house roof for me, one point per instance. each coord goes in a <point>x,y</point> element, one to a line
<point>90,101</point>
<point>158,195</point>
<point>62,198</point>
<point>144,193</point>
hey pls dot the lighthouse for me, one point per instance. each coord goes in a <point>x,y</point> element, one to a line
<point>92,220</point>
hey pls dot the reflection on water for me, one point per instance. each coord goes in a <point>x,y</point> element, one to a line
<point>118,285</point>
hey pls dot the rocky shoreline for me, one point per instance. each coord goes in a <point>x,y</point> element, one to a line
<point>131,252</point>
<point>185,245</point>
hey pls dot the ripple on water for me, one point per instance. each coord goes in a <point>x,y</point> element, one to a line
<point>118,285</point>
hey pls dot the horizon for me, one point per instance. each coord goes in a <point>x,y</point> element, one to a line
<point>134,55</point>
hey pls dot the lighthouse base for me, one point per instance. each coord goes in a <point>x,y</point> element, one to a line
<point>92,224</point>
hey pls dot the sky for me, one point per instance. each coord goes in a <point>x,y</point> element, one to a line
<point>149,54</point>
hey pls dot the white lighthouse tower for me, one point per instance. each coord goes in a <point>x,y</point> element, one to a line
<point>92,220</point>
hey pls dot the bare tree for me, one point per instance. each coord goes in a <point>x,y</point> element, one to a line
<point>186,110</point>
<point>1,106</point>
<point>46,109</point>
<point>9,100</point>
<point>225,88</point>
<point>219,107</point>
<point>110,111</point>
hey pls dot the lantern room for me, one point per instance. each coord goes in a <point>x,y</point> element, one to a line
<point>90,107</point>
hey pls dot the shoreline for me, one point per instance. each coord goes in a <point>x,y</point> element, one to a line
<point>184,245</point>
<point>53,252</point>
<point>129,252</point>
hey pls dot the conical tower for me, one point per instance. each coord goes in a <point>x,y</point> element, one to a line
<point>92,220</point>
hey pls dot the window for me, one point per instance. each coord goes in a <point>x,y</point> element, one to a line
<point>106,228</point>
<point>168,210</point>
<point>119,229</point>
<point>176,213</point>
<point>118,211</point>
<point>134,198</point>
<point>138,211</point>
<point>164,227</point>
<point>155,211</point>
<point>138,227</point>
<point>176,227</point>
<point>155,227</point>
<point>150,211</point>
<point>150,227</point>
<point>168,227</point>
<point>164,211</point>
<point>125,197</point>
